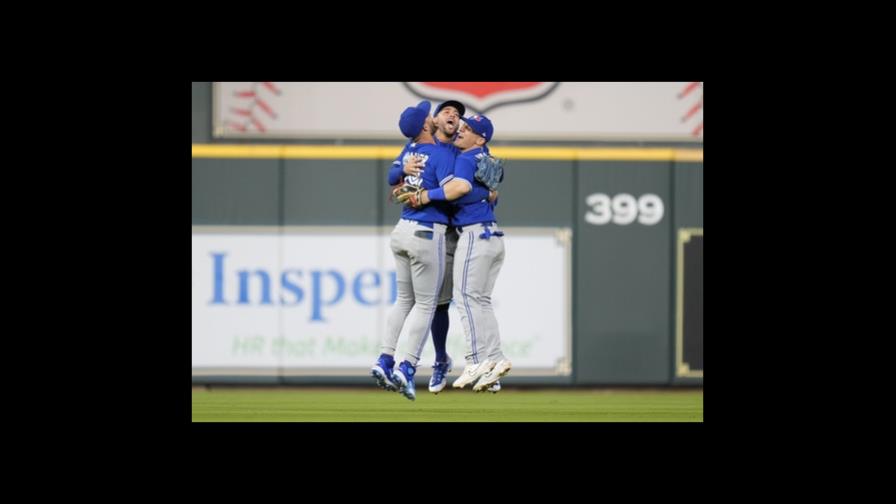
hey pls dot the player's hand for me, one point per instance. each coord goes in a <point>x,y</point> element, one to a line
<point>414,199</point>
<point>398,192</point>
<point>492,196</point>
<point>413,166</point>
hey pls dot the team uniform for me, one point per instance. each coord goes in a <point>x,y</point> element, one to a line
<point>480,256</point>
<point>418,244</point>
<point>451,236</point>
<point>441,369</point>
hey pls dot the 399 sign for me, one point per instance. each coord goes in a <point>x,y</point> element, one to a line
<point>624,209</point>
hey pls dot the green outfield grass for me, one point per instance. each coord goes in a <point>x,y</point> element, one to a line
<point>509,405</point>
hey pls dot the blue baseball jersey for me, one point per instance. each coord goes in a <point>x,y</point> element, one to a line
<point>397,164</point>
<point>438,164</point>
<point>478,193</point>
<point>472,208</point>
<point>448,145</point>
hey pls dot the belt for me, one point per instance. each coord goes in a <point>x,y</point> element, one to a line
<point>488,231</point>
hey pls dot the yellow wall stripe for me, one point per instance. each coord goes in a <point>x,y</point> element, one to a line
<point>390,151</point>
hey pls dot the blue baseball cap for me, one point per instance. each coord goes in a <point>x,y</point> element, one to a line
<point>481,125</point>
<point>461,110</point>
<point>413,119</point>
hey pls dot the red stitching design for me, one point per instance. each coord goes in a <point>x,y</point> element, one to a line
<point>698,130</point>
<point>247,114</point>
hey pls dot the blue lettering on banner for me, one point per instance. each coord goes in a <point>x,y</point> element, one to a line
<point>316,290</point>
<point>366,287</point>
<point>219,278</point>
<point>358,285</point>
<point>284,280</point>
<point>265,286</point>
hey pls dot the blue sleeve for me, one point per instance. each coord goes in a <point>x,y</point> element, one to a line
<point>396,171</point>
<point>445,167</point>
<point>465,168</point>
<point>479,193</point>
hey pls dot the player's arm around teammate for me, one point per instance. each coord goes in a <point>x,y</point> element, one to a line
<point>480,255</point>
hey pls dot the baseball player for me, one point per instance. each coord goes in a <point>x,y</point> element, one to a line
<point>446,120</point>
<point>482,249</point>
<point>418,244</point>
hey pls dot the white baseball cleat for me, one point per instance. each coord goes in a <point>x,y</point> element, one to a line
<point>439,378</point>
<point>472,372</point>
<point>500,369</point>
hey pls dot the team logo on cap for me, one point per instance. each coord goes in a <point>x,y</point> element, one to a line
<point>482,96</point>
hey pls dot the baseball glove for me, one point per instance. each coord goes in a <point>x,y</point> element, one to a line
<point>406,194</point>
<point>490,171</point>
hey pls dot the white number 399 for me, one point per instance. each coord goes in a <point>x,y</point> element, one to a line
<point>624,209</point>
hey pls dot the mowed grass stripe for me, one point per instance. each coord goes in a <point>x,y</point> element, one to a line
<point>339,405</point>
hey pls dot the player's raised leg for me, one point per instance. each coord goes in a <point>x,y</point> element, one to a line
<point>427,260</point>
<point>382,371</point>
<point>469,287</point>
<point>494,255</point>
